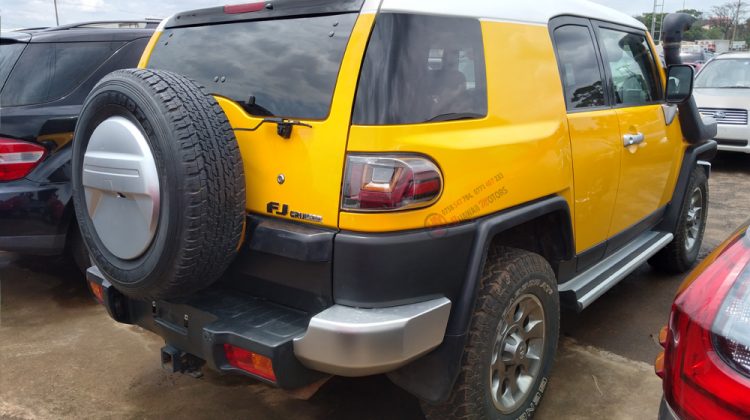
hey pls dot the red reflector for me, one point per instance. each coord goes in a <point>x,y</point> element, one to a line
<point>97,290</point>
<point>18,158</point>
<point>244,8</point>
<point>250,362</point>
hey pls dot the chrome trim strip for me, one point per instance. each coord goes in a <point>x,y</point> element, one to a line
<point>658,241</point>
<point>348,341</point>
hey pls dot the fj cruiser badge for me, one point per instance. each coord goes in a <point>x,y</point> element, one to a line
<point>283,210</point>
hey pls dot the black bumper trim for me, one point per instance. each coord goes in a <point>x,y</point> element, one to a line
<point>202,324</point>
<point>34,244</point>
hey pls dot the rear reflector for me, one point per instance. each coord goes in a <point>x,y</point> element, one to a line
<point>97,290</point>
<point>249,361</point>
<point>18,158</point>
<point>244,8</point>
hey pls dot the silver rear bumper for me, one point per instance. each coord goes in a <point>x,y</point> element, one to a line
<point>350,341</point>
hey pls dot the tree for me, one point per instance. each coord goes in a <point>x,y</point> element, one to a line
<point>728,16</point>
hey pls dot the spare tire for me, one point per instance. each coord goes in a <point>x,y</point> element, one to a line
<point>158,184</point>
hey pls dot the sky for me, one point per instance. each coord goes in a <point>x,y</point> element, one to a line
<point>30,13</point>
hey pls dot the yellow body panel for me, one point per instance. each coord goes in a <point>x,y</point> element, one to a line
<point>597,150</point>
<point>143,62</point>
<point>312,160</point>
<point>518,153</point>
<point>645,167</point>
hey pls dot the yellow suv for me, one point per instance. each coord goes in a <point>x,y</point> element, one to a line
<point>293,189</point>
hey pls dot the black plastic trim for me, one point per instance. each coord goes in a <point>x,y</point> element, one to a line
<point>202,324</point>
<point>694,153</point>
<point>274,10</point>
<point>34,244</point>
<point>296,241</point>
<point>432,376</point>
<point>627,236</point>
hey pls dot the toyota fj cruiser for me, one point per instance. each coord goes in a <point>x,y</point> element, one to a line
<point>296,189</point>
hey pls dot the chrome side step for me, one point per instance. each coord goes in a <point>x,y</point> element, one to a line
<point>592,283</point>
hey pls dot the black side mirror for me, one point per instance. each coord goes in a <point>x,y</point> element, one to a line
<point>679,83</point>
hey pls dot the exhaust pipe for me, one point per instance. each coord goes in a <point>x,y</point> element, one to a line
<point>694,128</point>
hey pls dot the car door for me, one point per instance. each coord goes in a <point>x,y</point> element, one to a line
<point>594,132</point>
<point>646,148</point>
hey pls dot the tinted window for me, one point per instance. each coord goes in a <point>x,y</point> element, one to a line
<point>8,55</point>
<point>46,72</point>
<point>632,67</point>
<point>282,67</point>
<point>579,67</point>
<point>422,68</point>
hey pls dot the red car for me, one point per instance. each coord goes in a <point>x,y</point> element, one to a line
<point>705,364</point>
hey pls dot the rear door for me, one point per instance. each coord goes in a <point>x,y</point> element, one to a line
<point>278,63</point>
<point>594,131</point>
<point>646,148</point>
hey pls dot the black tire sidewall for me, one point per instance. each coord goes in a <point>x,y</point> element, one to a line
<point>697,180</point>
<point>110,98</point>
<point>547,295</point>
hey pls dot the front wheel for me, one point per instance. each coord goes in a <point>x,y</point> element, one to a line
<point>682,253</point>
<point>511,343</point>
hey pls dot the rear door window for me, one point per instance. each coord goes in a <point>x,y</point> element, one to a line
<point>279,67</point>
<point>49,71</point>
<point>579,67</point>
<point>420,68</point>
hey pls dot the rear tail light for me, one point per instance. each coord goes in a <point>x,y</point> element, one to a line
<point>706,359</point>
<point>18,158</point>
<point>390,182</point>
<point>249,361</point>
<point>97,290</point>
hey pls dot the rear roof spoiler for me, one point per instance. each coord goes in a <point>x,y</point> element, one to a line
<point>262,11</point>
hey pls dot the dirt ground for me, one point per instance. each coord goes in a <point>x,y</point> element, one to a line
<point>62,357</point>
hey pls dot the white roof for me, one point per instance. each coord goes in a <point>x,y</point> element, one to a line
<point>527,11</point>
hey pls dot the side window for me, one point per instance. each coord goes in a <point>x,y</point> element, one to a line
<point>631,64</point>
<point>46,72</point>
<point>579,67</point>
<point>421,68</point>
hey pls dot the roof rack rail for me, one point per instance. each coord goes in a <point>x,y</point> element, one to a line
<point>109,24</point>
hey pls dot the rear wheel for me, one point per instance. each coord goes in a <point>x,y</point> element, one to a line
<point>159,188</point>
<point>511,343</point>
<point>682,253</point>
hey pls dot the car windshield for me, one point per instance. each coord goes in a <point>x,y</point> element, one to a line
<point>279,67</point>
<point>725,73</point>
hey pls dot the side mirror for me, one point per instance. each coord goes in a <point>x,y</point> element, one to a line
<point>679,83</point>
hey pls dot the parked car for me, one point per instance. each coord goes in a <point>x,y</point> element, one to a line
<point>705,364</point>
<point>44,77</point>
<point>722,91</point>
<point>369,187</point>
<point>695,57</point>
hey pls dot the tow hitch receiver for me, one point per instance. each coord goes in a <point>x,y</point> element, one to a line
<point>175,360</point>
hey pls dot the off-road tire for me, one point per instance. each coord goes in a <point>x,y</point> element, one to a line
<point>200,172</point>
<point>675,258</point>
<point>508,274</point>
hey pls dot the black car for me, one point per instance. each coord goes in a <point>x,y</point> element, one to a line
<point>45,75</point>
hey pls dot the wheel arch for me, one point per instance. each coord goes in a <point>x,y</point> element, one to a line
<point>432,377</point>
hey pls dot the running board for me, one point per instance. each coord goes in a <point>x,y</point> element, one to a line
<point>592,283</point>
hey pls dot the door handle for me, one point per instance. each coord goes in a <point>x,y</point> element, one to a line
<point>631,139</point>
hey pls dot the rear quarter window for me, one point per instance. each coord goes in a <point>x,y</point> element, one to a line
<point>421,68</point>
<point>9,53</point>
<point>49,71</point>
